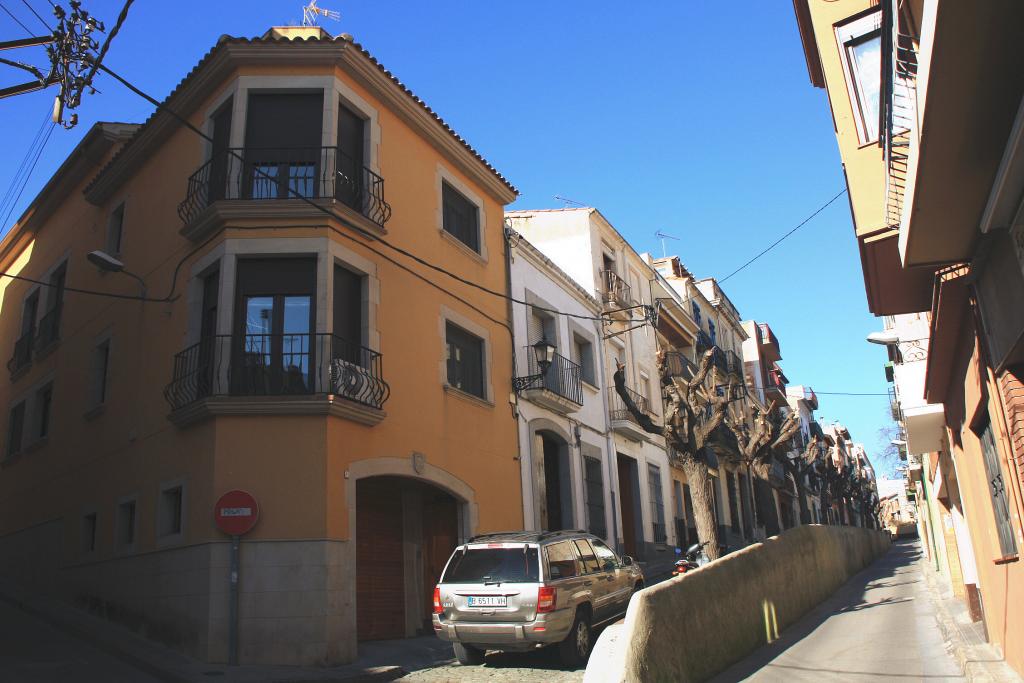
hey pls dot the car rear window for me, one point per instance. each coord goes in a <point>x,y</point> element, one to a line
<point>493,565</point>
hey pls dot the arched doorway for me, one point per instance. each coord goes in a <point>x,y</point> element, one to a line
<point>405,531</point>
<point>556,510</point>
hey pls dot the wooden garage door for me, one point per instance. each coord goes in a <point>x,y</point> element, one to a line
<point>380,579</point>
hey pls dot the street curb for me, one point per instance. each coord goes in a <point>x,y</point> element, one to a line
<point>979,663</point>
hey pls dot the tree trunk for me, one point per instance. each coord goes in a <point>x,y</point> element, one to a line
<point>703,505</point>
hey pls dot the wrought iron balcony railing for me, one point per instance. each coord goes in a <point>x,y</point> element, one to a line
<point>614,290</point>
<point>22,356</point>
<point>563,377</point>
<point>660,535</point>
<point>898,109</point>
<point>49,328</point>
<point>775,381</point>
<point>703,342</point>
<point>277,365</point>
<point>280,173</point>
<point>618,408</point>
<point>719,359</point>
<point>734,363</point>
<point>678,365</point>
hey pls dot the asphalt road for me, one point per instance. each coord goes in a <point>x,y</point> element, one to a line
<point>880,626</point>
<point>33,651</point>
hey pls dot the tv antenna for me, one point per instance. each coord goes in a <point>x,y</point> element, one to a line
<point>662,236</point>
<point>568,201</point>
<point>310,13</point>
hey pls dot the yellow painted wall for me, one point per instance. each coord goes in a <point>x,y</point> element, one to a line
<point>864,164</point>
<point>295,465</point>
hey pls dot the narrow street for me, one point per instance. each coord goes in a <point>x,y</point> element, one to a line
<point>879,626</point>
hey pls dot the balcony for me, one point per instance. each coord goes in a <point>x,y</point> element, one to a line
<point>560,388</point>
<point>22,357</point>
<point>615,292</point>
<point>277,374</point>
<point>776,385</point>
<point>660,533</point>
<point>704,342</point>
<point>768,343</point>
<point>253,180</point>
<point>678,365</point>
<point>49,330</point>
<point>622,421</point>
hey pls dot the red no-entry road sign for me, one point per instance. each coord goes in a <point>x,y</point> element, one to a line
<point>236,513</point>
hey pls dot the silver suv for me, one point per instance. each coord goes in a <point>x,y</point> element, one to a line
<point>516,591</point>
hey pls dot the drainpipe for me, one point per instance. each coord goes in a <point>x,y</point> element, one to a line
<point>609,439</point>
<point>512,342</point>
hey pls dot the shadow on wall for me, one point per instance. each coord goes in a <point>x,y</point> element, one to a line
<point>733,606</point>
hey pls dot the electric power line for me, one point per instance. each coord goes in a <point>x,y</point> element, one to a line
<point>848,393</point>
<point>28,173</point>
<point>16,20</point>
<point>778,241</point>
<point>33,11</point>
<point>16,179</point>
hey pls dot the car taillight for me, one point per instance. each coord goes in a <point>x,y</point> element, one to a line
<point>438,609</point>
<point>545,599</point>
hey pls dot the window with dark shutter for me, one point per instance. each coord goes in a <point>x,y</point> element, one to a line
<point>461,217</point>
<point>997,489</point>
<point>657,506</point>
<point>465,360</point>
<point>594,489</point>
<point>16,429</point>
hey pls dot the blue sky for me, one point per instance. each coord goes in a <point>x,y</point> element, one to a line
<point>695,118</point>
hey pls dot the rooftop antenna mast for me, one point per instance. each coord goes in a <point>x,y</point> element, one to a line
<point>659,234</point>
<point>568,202</point>
<point>310,13</point>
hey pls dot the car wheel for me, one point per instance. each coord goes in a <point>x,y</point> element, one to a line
<point>467,654</point>
<point>575,649</point>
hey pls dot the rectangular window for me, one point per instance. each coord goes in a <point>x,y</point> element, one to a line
<point>861,48</point>
<point>170,511</point>
<point>657,505</point>
<point>100,372</point>
<point>588,560</point>
<point>89,532</point>
<point>115,229</point>
<point>594,488</point>
<point>583,355</point>
<point>126,524</point>
<point>734,512</point>
<point>44,401</point>
<point>997,489</point>
<point>696,312</point>
<point>465,360</point>
<point>16,429</point>
<point>461,217</point>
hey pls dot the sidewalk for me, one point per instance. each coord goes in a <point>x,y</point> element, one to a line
<point>965,639</point>
<point>118,647</point>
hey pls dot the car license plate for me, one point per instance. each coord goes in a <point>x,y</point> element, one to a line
<point>487,601</point>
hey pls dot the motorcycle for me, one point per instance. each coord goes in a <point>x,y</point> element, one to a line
<point>693,558</point>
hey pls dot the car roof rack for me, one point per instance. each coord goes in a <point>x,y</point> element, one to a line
<point>526,536</point>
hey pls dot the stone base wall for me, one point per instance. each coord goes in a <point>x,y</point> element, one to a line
<point>296,598</point>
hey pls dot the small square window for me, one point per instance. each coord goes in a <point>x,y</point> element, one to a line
<point>171,510</point>
<point>126,524</point>
<point>465,360</point>
<point>461,217</point>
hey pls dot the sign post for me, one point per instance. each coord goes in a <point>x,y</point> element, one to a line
<point>235,513</point>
